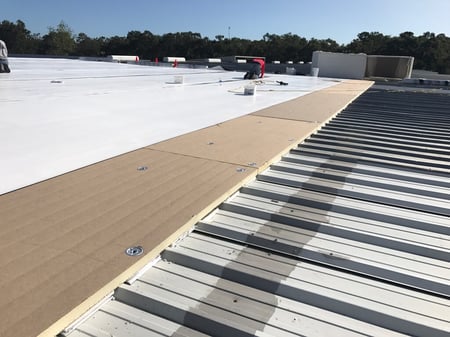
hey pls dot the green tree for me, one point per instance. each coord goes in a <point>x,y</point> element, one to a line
<point>442,54</point>
<point>372,43</point>
<point>406,44</point>
<point>273,47</point>
<point>322,45</point>
<point>187,44</point>
<point>116,45</point>
<point>431,52</point>
<point>58,41</point>
<point>143,44</point>
<point>18,39</point>
<point>85,46</point>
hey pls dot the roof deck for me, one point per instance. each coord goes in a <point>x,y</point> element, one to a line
<point>347,235</point>
<point>102,157</point>
<point>60,115</point>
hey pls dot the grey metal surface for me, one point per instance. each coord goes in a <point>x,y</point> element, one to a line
<point>348,235</point>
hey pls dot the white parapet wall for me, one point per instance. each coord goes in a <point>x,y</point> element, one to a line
<point>339,65</point>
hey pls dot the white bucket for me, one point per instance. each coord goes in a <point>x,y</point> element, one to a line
<point>178,79</point>
<point>314,72</point>
<point>250,89</point>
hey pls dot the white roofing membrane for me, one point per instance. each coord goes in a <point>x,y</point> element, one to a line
<point>58,115</point>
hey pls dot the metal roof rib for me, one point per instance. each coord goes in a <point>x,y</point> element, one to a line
<point>347,235</point>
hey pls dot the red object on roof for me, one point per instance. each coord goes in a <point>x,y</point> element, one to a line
<point>263,66</point>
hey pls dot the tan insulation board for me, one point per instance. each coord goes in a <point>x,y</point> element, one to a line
<point>62,241</point>
<point>246,141</point>
<point>318,106</point>
<point>259,139</point>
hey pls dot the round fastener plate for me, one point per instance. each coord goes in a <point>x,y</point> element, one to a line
<point>134,251</point>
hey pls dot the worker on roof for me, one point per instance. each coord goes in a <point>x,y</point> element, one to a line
<point>257,70</point>
<point>4,67</point>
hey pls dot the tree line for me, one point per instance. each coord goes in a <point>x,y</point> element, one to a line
<point>431,51</point>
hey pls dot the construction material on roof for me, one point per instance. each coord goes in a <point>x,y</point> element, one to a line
<point>76,231</point>
<point>123,58</point>
<point>174,59</point>
<point>59,115</point>
<point>347,235</point>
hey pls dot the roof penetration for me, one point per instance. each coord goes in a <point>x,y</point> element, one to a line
<point>347,235</point>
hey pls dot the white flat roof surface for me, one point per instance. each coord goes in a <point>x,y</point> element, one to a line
<point>58,115</point>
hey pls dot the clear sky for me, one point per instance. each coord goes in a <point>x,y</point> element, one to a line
<point>340,20</point>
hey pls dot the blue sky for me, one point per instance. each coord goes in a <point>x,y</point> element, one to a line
<point>339,20</point>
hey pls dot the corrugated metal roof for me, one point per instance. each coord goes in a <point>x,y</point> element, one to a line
<point>349,234</point>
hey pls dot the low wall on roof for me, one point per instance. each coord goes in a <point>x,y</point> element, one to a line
<point>359,66</point>
<point>340,65</point>
<point>389,66</point>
